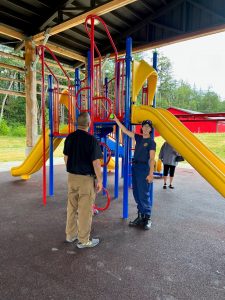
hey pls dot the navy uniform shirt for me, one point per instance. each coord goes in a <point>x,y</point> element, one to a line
<point>82,149</point>
<point>142,148</point>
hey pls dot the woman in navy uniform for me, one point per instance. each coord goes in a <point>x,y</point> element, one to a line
<point>142,171</point>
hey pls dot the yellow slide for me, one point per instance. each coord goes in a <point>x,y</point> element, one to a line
<point>34,161</point>
<point>196,153</point>
<point>111,164</point>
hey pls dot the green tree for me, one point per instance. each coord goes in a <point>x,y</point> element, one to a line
<point>210,102</point>
<point>166,82</point>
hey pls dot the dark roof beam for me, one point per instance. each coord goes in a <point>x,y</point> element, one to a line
<point>147,5</point>
<point>78,20</point>
<point>184,19</point>
<point>77,3</point>
<point>93,3</point>
<point>13,15</point>
<point>36,3</point>
<point>83,34</point>
<point>150,18</point>
<point>72,9</point>
<point>147,21</point>
<point>120,18</point>
<point>163,26</point>
<point>139,43</point>
<point>54,13</point>
<point>24,7</point>
<point>72,40</point>
<point>206,9</point>
<point>132,11</point>
<point>110,25</point>
<point>43,2</point>
<point>60,16</point>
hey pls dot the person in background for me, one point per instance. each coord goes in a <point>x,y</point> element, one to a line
<point>168,156</point>
<point>82,155</point>
<point>142,172</point>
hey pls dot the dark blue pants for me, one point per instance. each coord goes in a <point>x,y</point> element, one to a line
<point>141,188</point>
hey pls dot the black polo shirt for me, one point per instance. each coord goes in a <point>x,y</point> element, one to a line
<point>82,149</point>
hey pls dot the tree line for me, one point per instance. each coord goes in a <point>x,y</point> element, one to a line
<point>170,91</point>
<point>178,93</point>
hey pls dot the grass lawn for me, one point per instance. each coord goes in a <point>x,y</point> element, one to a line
<point>13,148</point>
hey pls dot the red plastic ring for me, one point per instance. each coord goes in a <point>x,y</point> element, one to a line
<point>107,203</point>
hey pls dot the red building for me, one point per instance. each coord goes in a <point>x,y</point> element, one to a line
<point>200,122</point>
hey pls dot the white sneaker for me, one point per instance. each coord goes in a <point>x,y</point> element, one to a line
<point>89,244</point>
<point>71,240</point>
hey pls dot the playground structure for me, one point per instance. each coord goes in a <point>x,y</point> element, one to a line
<point>114,96</point>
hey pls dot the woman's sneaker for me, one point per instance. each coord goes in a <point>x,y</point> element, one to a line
<point>89,244</point>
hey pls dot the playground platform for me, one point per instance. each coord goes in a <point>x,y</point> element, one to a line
<point>181,257</point>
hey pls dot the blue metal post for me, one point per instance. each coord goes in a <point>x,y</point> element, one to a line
<point>51,148</point>
<point>127,125</point>
<point>116,183</point>
<point>130,158</point>
<point>105,167</point>
<point>122,164</point>
<point>77,87</point>
<point>155,58</point>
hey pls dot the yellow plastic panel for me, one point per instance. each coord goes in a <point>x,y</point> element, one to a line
<point>142,71</point>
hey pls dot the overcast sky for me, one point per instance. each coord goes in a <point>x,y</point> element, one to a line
<point>200,61</point>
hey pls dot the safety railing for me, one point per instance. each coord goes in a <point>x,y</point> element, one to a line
<point>96,86</point>
<point>56,93</point>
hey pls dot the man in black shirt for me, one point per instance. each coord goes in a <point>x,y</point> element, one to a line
<point>82,155</point>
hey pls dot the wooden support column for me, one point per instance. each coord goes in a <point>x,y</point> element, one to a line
<point>31,97</point>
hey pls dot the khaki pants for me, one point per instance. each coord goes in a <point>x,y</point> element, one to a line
<point>81,194</point>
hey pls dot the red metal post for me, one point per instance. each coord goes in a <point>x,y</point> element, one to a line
<point>43,126</point>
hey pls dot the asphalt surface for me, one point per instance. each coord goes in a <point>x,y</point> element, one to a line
<point>181,257</point>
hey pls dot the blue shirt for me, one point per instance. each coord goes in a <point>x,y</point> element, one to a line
<point>142,148</point>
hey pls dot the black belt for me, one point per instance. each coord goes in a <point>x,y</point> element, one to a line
<point>91,175</point>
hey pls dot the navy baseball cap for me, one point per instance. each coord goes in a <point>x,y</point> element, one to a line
<point>146,122</point>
